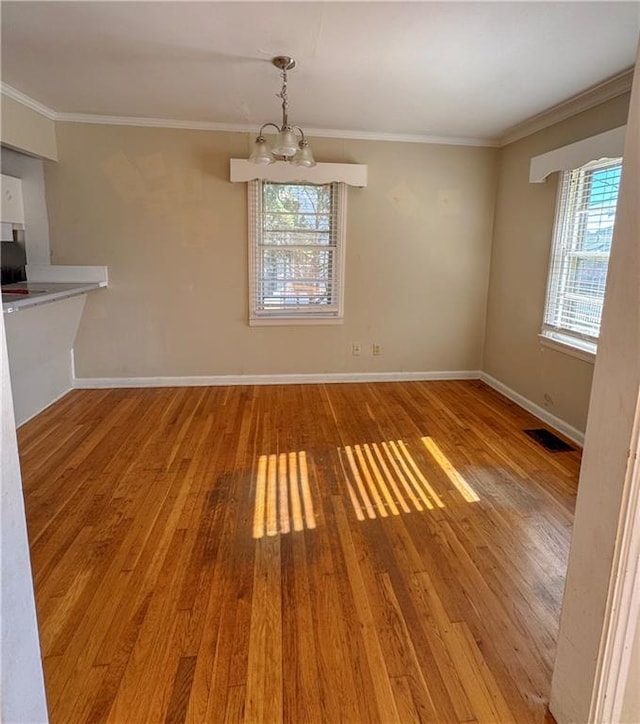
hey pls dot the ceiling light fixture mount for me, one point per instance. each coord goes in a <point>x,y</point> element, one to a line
<point>286,146</point>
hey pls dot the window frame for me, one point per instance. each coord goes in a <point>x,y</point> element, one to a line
<point>304,315</point>
<point>567,211</point>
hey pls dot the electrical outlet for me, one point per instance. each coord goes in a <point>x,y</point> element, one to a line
<point>355,349</point>
<point>377,350</point>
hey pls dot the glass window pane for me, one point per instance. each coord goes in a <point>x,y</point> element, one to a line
<point>588,277</point>
<point>296,247</point>
<point>296,263</point>
<point>284,221</point>
<point>581,245</point>
<point>285,294</point>
<point>301,238</point>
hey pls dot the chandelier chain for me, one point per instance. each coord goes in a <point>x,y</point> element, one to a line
<point>285,99</point>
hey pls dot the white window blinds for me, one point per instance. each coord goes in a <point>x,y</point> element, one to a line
<point>296,249</point>
<point>585,216</point>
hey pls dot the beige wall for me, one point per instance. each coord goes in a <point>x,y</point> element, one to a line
<point>26,130</point>
<point>156,207</point>
<point>520,256</point>
<point>606,478</point>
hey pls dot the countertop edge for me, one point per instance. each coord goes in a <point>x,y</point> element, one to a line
<point>69,290</point>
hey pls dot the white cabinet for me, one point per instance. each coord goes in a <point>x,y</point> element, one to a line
<point>12,204</point>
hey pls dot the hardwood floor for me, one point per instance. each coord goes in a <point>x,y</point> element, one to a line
<point>389,552</point>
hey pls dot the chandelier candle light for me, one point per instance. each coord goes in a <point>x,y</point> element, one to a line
<point>286,146</point>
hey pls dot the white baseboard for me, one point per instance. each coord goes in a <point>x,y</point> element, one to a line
<point>332,377</point>
<point>565,428</point>
<point>286,379</point>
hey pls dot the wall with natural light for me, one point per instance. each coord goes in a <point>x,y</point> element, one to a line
<point>156,207</point>
<point>519,263</point>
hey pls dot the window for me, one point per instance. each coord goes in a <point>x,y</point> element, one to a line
<point>296,254</point>
<point>582,236</point>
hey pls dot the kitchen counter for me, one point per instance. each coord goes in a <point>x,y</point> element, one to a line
<point>42,317</point>
<point>30,294</point>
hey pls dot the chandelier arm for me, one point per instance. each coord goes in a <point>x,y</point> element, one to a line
<point>286,146</point>
<point>266,125</point>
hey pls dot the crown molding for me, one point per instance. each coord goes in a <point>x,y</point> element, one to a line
<point>253,128</point>
<point>608,89</point>
<point>402,137</point>
<point>108,120</point>
<point>153,122</point>
<point>27,101</point>
<point>611,88</point>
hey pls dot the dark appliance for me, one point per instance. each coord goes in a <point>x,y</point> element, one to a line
<point>13,260</point>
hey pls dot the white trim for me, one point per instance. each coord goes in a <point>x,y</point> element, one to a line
<point>609,144</point>
<point>564,427</point>
<point>107,120</point>
<point>330,378</point>
<point>353,174</point>
<point>89,383</point>
<point>401,137</point>
<point>300,321</point>
<point>608,89</point>
<point>253,128</point>
<point>566,348</point>
<point>623,602</point>
<point>600,93</point>
<point>94,119</point>
<point>341,224</point>
<point>27,101</point>
<point>307,314</point>
<point>280,379</point>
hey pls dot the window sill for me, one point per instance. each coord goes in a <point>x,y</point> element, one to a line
<point>586,354</point>
<point>293,321</point>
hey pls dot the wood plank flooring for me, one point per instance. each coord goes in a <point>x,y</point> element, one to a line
<point>389,552</point>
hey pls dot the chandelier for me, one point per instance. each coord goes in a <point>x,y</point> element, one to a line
<point>286,146</point>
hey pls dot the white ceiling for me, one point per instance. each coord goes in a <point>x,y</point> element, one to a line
<point>446,69</point>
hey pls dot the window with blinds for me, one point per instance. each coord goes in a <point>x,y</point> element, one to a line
<point>585,216</point>
<point>296,250</point>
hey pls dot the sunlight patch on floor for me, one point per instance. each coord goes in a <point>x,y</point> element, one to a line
<point>467,492</point>
<point>283,497</point>
<point>383,479</point>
